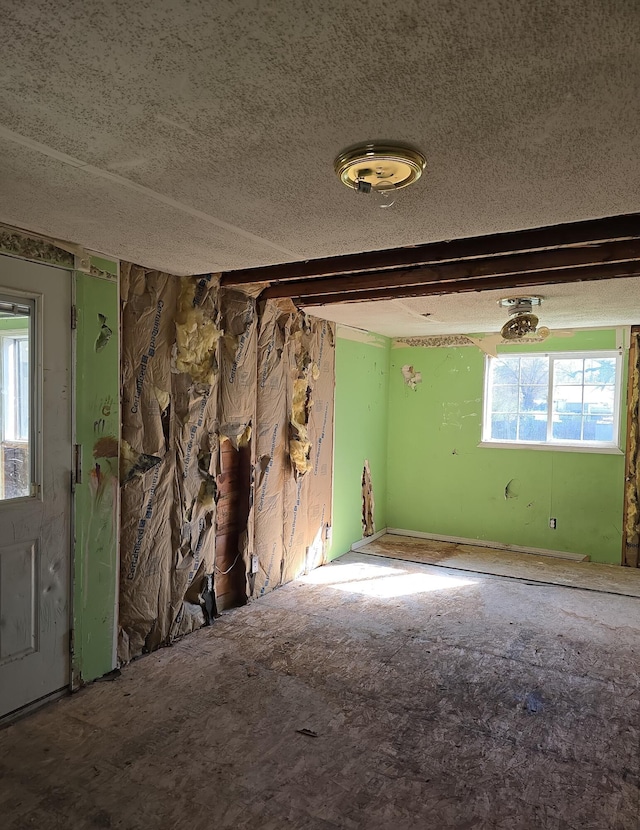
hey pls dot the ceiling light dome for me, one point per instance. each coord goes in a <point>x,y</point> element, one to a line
<point>380,169</point>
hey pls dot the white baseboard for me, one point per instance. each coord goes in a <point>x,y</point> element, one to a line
<point>362,542</point>
<point>459,540</point>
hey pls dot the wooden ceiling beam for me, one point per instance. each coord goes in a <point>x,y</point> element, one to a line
<point>534,261</point>
<point>609,229</point>
<point>504,282</point>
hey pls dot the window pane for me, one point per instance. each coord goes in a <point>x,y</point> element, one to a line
<point>567,399</point>
<point>534,398</point>
<point>568,371</point>
<point>599,400</point>
<point>504,399</point>
<point>532,428</point>
<point>504,427</point>
<point>600,370</point>
<point>582,405</point>
<point>567,427</point>
<point>598,428</point>
<point>15,410</point>
<point>534,370</point>
<point>23,389</point>
<point>505,370</point>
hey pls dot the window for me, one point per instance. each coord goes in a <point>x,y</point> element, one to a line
<point>16,398</point>
<point>563,399</point>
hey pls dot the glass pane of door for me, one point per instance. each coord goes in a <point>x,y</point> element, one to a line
<point>16,398</point>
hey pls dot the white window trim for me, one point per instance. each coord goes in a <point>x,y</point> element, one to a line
<point>605,447</point>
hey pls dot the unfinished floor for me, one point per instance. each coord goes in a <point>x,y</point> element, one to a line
<point>433,698</point>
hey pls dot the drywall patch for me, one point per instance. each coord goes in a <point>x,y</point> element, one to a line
<point>411,377</point>
<point>368,506</point>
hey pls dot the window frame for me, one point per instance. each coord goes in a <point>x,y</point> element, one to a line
<point>564,445</point>
<point>31,306</point>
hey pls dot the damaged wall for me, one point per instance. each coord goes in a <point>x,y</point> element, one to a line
<point>631,512</point>
<point>441,482</point>
<point>227,433</point>
<point>362,383</point>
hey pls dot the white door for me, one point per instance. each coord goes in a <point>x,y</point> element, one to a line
<point>35,481</point>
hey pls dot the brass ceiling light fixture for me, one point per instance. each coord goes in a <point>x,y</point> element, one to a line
<point>380,169</point>
<point>522,321</point>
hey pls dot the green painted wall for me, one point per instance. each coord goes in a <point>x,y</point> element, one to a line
<point>14,323</point>
<point>441,482</point>
<point>362,379</point>
<point>96,497</point>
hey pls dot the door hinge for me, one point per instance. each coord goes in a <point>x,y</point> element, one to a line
<point>35,489</point>
<point>77,464</point>
<point>72,641</point>
<point>74,316</point>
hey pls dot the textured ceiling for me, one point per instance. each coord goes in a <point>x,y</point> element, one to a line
<point>199,136</point>
<point>573,305</point>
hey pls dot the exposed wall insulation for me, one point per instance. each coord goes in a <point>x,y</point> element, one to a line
<point>309,352</point>
<point>272,463</point>
<point>631,530</point>
<point>227,432</point>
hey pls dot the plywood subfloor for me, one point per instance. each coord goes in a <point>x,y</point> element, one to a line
<point>439,699</point>
<point>591,576</point>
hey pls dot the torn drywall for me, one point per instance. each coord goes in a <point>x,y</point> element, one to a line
<point>368,506</point>
<point>411,377</point>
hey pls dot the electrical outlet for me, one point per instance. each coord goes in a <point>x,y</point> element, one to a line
<point>552,524</point>
<point>254,563</point>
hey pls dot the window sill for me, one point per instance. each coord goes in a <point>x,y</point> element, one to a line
<point>522,445</point>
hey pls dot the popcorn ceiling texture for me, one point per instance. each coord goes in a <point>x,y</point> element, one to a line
<point>597,303</point>
<point>198,137</point>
